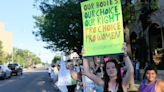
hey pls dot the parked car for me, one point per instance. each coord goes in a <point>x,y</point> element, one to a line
<point>5,72</point>
<point>16,68</point>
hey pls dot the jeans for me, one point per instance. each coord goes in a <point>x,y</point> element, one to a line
<point>137,72</point>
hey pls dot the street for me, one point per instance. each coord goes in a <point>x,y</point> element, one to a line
<point>31,81</point>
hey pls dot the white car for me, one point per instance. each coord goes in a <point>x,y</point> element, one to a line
<point>5,72</point>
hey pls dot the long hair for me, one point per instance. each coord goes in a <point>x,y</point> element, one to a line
<point>150,67</point>
<point>118,80</point>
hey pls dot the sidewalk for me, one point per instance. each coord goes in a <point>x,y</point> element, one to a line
<point>137,83</point>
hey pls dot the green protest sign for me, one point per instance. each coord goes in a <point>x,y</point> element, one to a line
<point>102,27</point>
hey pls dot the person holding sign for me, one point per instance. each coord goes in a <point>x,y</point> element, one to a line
<point>112,81</point>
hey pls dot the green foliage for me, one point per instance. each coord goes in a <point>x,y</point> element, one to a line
<point>56,58</point>
<point>2,57</point>
<point>142,8</point>
<point>25,57</point>
<point>154,4</point>
<point>60,25</point>
<point>128,13</point>
<point>147,9</point>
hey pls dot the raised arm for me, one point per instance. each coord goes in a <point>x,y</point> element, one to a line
<point>130,71</point>
<point>89,74</point>
<point>74,74</point>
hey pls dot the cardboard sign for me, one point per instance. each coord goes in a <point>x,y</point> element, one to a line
<point>102,27</point>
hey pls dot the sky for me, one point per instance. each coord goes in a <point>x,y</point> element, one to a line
<point>17,17</point>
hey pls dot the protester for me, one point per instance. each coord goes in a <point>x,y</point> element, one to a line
<point>112,81</point>
<point>74,77</point>
<point>150,82</point>
<point>88,84</point>
<point>56,70</point>
<point>98,72</point>
<point>51,73</point>
<point>146,65</point>
<point>63,74</point>
<point>137,69</point>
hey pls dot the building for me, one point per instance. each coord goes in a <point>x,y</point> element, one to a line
<point>148,44</point>
<point>7,40</point>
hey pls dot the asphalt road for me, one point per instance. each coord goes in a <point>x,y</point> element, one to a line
<point>31,81</point>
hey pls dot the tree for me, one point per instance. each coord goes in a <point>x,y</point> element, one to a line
<point>36,60</point>
<point>2,57</point>
<point>25,57</point>
<point>60,25</point>
<point>56,58</point>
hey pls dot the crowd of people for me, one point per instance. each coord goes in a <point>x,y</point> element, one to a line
<point>109,74</point>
